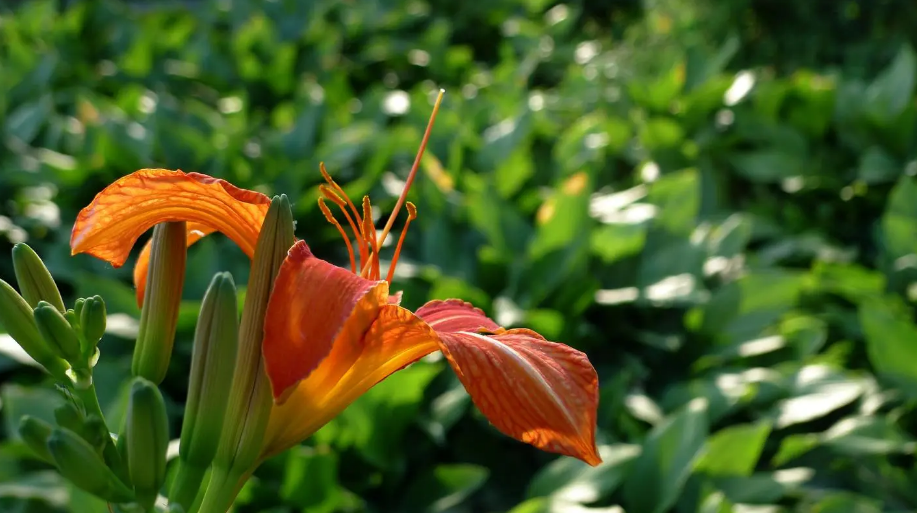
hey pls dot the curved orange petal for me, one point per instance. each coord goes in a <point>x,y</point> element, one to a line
<point>455,315</point>
<point>313,304</point>
<point>358,361</point>
<point>540,392</point>
<point>109,226</point>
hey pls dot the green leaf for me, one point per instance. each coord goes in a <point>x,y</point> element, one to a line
<point>18,400</point>
<point>890,340</point>
<point>444,488</point>
<point>25,122</point>
<point>763,488</point>
<point>767,166</point>
<point>877,166</point>
<point>818,392</point>
<point>669,454</point>
<point>893,89</point>
<point>310,480</point>
<point>376,422</point>
<point>735,450</point>
<point>571,480</point>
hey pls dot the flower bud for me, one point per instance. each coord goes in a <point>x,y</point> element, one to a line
<point>16,317</point>
<point>161,301</point>
<point>57,332</point>
<point>34,433</point>
<point>92,323</point>
<point>250,398</point>
<point>95,432</point>
<point>78,306</point>
<point>147,428</point>
<point>68,416</point>
<point>35,281</point>
<point>212,362</point>
<point>79,463</point>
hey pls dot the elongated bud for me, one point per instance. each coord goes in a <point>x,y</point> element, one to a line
<point>57,332</point>
<point>147,429</point>
<point>78,306</point>
<point>161,300</point>
<point>79,463</point>
<point>35,433</point>
<point>92,322</point>
<point>69,416</point>
<point>212,363</point>
<point>16,317</point>
<point>34,279</point>
<point>250,398</point>
<point>95,432</point>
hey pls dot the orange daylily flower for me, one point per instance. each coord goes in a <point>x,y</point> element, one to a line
<point>331,334</point>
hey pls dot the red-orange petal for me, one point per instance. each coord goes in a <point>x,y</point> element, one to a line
<point>455,315</point>
<point>357,362</point>
<point>312,303</point>
<point>539,392</point>
<point>109,226</point>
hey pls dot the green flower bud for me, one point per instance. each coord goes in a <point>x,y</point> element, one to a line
<point>96,433</point>
<point>78,306</point>
<point>16,317</point>
<point>92,322</point>
<point>161,300</point>
<point>35,281</point>
<point>69,416</point>
<point>79,463</point>
<point>57,332</point>
<point>147,428</point>
<point>34,433</point>
<point>250,398</point>
<point>212,363</point>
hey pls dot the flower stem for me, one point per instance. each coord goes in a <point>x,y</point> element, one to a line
<point>90,400</point>
<point>187,485</point>
<point>221,491</point>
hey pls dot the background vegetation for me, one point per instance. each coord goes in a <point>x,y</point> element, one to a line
<point>715,200</point>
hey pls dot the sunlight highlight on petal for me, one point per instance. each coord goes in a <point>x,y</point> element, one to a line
<point>357,362</point>
<point>109,226</point>
<point>536,391</point>
<point>455,315</point>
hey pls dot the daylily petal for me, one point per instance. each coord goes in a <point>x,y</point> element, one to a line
<point>110,225</point>
<point>536,391</point>
<point>357,362</point>
<point>455,315</point>
<point>314,306</point>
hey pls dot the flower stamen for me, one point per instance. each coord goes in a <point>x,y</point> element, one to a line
<point>371,268</point>
<point>412,214</point>
<point>414,168</point>
<point>330,218</point>
<point>335,198</point>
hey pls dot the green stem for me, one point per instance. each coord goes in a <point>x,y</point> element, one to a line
<point>187,485</point>
<point>221,491</point>
<point>110,452</point>
<point>90,401</point>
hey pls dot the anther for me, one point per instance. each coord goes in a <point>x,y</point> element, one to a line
<point>335,198</point>
<point>330,218</point>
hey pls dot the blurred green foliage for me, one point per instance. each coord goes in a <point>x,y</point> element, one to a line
<point>715,200</point>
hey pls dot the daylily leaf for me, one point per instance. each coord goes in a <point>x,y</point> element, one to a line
<point>669,453</point>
